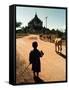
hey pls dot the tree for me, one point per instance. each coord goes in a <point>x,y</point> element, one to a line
<point>45,30</point>
<point>59,33</point>
<point>53,31</point>
<point>18,24</point>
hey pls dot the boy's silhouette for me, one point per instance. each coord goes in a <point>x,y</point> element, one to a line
<point>34,58</point>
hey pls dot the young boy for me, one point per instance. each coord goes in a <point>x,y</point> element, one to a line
<point>34,59</point>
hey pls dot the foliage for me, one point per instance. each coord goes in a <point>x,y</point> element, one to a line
<point>18,24</point>
<point>43,30</point>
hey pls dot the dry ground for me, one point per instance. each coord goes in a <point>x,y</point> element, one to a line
<point>53,66</point>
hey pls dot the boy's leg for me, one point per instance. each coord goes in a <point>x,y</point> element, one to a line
<point>34,73</point>
<point>37,74</point>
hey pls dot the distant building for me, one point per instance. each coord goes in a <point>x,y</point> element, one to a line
<point>35,25</point>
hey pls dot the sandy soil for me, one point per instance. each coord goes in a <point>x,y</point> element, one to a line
<point>53,66</point>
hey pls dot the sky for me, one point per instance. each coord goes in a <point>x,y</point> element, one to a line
<point>56,18</point>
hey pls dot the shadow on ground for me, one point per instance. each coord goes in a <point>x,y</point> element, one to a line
<point>38,80</point>
<point>62,55</point>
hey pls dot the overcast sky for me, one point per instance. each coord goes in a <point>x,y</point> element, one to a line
<point>56,17</point>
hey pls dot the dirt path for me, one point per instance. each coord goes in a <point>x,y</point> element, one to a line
<point>52,65</point>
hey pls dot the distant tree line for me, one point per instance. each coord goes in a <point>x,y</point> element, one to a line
<point>43,30</point>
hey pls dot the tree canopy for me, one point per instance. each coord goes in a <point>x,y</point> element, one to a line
<point>18,24</point>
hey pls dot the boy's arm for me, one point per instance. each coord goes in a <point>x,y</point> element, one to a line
<point>41,53</point>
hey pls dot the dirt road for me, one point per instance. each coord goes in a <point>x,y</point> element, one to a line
<point>53,66</point>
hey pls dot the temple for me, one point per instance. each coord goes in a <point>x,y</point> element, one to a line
<point>35,25</point>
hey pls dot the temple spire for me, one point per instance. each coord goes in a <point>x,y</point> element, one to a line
<point>35,14</point>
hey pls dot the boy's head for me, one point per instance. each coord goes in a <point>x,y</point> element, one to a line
<point>35,44</point>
